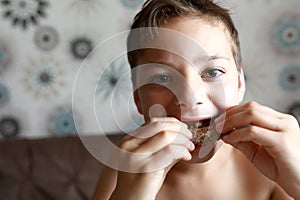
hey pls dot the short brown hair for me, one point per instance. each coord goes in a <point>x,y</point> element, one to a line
<point>154,13</point>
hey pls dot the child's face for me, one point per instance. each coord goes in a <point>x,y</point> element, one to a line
<point>196,87</point>
<point>186,91</point>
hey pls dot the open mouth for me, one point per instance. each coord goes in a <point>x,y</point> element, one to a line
<point>203,131</point>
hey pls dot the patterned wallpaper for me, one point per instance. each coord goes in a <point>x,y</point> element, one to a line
<point>44,45</point>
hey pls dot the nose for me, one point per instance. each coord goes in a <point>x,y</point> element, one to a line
<point>191,92</point>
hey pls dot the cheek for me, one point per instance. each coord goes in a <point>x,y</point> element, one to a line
<point>150,97</point>
<point>224,95</point>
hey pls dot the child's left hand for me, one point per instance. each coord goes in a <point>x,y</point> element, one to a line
<point>269,139</point>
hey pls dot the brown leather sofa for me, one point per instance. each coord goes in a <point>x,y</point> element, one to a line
<point>58,168</point>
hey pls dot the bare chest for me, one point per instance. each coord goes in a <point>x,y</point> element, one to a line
<point>228,185</point>
<point>215,191</point>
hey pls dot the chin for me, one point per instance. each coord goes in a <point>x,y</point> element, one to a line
<point>206,154</point>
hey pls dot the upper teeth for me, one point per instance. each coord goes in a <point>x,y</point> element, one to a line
<point>195,125</point>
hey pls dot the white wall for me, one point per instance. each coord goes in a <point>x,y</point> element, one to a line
<point>36,105</point>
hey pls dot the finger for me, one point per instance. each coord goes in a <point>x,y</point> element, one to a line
<point>166,119</point>
<point>178,152</point>
<point>171,154</point>
<point>251,104</point>
<point>149,162</point>
<point>137,138</point>
<point>162,120</point>
<point>163,139</point>
<point>244,119</point>
<point>161,124</point>
<point>171,120</point>
<point>165,158</point>
<point>250,113</point>
<point>260,136</point>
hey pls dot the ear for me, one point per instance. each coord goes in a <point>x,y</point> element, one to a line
<point>137,101</point>
<point>241,86</point>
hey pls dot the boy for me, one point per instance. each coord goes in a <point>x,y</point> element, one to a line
<point>257,156</point>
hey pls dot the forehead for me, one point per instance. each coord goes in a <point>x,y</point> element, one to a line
<point>201,40</point>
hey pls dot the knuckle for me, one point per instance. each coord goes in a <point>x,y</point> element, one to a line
<point>123,145</point>
<point>290,122</point>
<point>250,112</point>
<point>252,129</point>
<point>156,126</point>
<point>169,150</point>
<point>252,104</point>
<point>154,122</point>
<point>126,144</point>
<point>174,119</point>
<point>291,119</point>
<point>154,119</point>
<point>165,135</point>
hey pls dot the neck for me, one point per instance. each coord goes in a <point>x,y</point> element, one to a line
<point>220,155</point>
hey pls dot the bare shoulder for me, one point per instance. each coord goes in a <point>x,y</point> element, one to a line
<point>254,184</point>
<point>264,186</point>
<point>106,184</point>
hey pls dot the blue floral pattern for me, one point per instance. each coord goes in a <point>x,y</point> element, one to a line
<point>114,80</point>
<point>9,127</point>
<point>63,123</point>
<point>43,43</point>
<point>290,78</point>
<point>24,12</point>
<point>85,6</point>
<point>44,78</point>
<point>81,47</point>
<point>134,4</point>
<point>287,35</point>
<point>46,38</point>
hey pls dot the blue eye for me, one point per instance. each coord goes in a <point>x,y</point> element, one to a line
<point>212,73</point>
<point>161,78</point>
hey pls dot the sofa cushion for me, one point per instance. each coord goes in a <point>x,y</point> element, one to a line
<point>48,169</point>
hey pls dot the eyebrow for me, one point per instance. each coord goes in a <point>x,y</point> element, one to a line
<point>217,57</point>
<point>162,63</point>
<point>166,63</point>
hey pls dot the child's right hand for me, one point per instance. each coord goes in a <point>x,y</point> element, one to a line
<point>153,149</point>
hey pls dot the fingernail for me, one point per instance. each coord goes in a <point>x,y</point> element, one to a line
<point>189,134</point>
<point>192,146</point>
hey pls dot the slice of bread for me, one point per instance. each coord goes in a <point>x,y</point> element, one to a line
<point>202,133</point>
